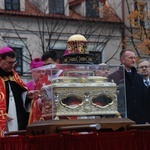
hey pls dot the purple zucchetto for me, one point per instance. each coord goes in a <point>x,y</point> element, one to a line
<point>35,63</point>
<point>5,49</point>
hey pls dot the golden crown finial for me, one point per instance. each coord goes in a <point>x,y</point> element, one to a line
<point>77,43</point>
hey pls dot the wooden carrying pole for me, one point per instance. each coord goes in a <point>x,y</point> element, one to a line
<point>138,126</point>
<point>79,128</point>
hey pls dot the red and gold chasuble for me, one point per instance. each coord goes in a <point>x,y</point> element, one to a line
<point>3,113</point>
<point>36,110</point>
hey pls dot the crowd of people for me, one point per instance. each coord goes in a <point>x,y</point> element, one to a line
<point>18,107</point>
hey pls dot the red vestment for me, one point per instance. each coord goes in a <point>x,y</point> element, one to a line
<point>3,113</point>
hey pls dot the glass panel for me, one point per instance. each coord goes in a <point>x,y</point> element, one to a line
<point>7,1</point>
<point>19,59</point>
<point>102,100</point>
<point>8,6</point>
<point>15,1</point>
<point>92,8</point>
<point>15,7</point>
<point>56,7</point>
<point>72,101</point>
<point>12,4</point>
<point>78,90</point>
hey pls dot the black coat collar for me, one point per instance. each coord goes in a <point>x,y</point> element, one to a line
<point>4,73</point>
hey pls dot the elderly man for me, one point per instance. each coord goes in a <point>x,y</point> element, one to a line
<point>14,96</point>
<point>143,67</point>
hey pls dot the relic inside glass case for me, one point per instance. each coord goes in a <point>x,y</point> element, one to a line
<point>80,91</point>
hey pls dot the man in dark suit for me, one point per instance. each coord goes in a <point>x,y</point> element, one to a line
<point>133,86</point>
<point>143,67</point>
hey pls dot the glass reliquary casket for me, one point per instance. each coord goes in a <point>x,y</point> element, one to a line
<point>79,90</point>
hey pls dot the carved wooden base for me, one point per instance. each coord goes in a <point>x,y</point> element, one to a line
<point>83,125</point>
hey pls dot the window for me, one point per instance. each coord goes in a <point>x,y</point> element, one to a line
<point>19,58</point>
<point>92,8</point>
<point>147,20</point>
<point>56,6</point>
<point>140,13</point>
<point>12,4</point>
<point>141,8</point>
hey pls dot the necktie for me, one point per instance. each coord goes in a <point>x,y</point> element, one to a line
<point>130,74</point>
<point>146,83</point>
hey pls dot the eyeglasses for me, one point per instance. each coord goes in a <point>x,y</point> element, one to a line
<point>11,62</point>
<point>141,67</point>
<point>47,64</point>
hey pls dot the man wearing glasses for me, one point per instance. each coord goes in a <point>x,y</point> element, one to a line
<point>14,96</point>
<point>143,67</point>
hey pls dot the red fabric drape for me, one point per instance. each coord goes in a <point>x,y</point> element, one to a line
<point>14,143</point>
<point>99,141</point>
<point>127,140</point>
<point>143,140</point>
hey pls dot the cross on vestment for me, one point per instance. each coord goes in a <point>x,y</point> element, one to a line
<point>2,114</point>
